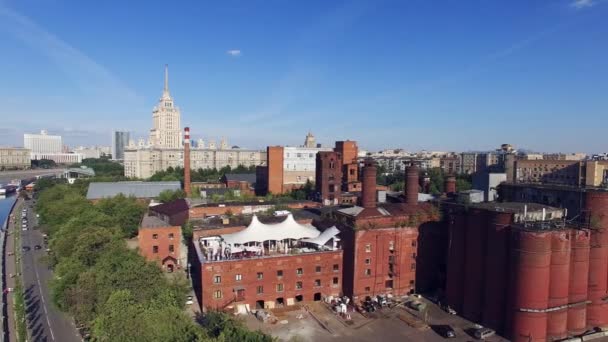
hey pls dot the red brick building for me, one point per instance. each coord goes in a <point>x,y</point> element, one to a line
<point>381,242</point>
<point>161,242</point>
<point>238,267</point>
<point>328,176</point>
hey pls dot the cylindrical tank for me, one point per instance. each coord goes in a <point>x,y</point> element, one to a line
<point>557,327</point>
<point>496,263</point>
<point>532,261</point>
<point>579,276</point>
<point>450,185</point>
<point>596,204</point>
<point>529,327</point>
<point>368,193</point>
<point>455,263</point>
<point>557,324</point>
<point>411,185</point>
<point>475,264</point>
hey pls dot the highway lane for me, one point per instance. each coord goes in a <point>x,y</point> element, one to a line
<point>45,321</point>
<point>7,176</point>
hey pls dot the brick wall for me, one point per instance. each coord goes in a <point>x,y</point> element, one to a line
<point>159,237</point>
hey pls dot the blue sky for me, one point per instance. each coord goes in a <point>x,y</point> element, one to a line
<point>438,75</point>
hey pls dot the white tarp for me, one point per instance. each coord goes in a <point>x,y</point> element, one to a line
<point>258,232</point>
<point>322,239</point>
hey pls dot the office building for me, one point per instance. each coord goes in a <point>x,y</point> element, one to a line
<point>120,141</point>
<point>14,158</point>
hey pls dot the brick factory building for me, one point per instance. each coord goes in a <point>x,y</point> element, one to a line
<point>162,243</point>
<point>337,174</point>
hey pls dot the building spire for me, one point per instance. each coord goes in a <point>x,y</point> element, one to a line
<point>166,88</point>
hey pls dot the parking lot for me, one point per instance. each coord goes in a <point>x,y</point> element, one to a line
<point>319,323</point>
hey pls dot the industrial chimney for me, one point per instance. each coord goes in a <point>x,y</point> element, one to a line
<point>450,185</point>
<point>187,186</point>
<point>368,193</point>
<point>411,185</point>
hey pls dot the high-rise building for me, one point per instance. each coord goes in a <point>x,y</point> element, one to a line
<point>43,142</point>
<point>166,129</point>
<point>120,140</point>
<point>310,141</point>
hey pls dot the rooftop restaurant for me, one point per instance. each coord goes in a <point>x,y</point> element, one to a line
<point>261,240</point>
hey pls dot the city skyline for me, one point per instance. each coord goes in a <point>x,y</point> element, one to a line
<point>349,71</point>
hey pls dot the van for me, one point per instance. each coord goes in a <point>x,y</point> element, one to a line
<point>484,333</point>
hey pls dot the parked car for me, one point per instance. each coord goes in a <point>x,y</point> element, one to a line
<point>483,333</point>
<point>37,247</point>
<point>189,300</point>
<point>448,309</point>
<point>446,331</point>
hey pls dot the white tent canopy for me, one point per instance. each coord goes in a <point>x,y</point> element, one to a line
<point>259,232</point>
<point>322,239</point>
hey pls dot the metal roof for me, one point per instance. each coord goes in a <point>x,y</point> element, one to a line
<point>136,189</point>
<point>241,177</point>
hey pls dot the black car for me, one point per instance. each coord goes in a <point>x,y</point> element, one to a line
<point>446,331</point>
<point>37,247</point>
<point>25,248</point>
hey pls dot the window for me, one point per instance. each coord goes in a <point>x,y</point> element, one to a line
<point>317,282</point>
<point>260,275</point>
<point>413,267</point>
<point>155,236</point>
<point>238,277</point>
<point>335,281</point>
<point>171,236</point>
<point>260,289</point>
<point>391,259</point>
<point>217,279</point>
<point>336,267</point>
<point>368,261</point>
<point>412,282</point>
<point>368,247</point>
<point>414,255</point>
<point>388,284</point>
<point>298,285</point>
<point>154,249</point>
<point>217,294</point>
<point>279,287</point>
<point>171,249</point>
<point>318,269</point>
<point>367,289</point>
<point>414,243</point>
<point>299,271</point>
<point>352,172</point>
<point>368,271</point>
<point>279,273</point>
<point>391,245</point>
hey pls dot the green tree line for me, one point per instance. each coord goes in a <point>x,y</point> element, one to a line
<point>111,290</point>
<point>199,175</point>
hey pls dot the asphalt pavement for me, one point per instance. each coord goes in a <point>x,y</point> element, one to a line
<point>45,321</point>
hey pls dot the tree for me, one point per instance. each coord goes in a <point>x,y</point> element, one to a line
<point>127,212</point>
<point>167,196</point>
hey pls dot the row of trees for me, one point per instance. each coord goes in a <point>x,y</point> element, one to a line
<point>109,289</point>
<point>104,167</point>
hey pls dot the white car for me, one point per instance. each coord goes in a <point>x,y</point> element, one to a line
<point>189,300</point>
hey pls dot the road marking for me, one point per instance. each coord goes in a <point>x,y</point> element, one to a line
<point>48,322</point>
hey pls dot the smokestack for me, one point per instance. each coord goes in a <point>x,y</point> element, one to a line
<point>411,185</point>
<point>368,193</point>
<point>450,185</point>
<point>187,186</point>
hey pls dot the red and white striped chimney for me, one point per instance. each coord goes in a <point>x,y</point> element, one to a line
<point>187,185</point>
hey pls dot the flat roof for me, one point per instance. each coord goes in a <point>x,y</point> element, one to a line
<point>153,222</point>
<point>138,189</point>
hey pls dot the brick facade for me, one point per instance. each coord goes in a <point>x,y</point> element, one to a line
<point>328,177</point>
<point>162,245</point>
<point>271,280</point>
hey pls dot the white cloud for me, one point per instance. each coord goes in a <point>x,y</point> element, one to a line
<point>234,53</point>
<point>580,4</point>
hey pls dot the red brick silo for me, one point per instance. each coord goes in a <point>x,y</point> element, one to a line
<point>455,263</point>
<point>531,261</point>
<point>579,279</point>
<point>597,208</point>
<point>411,185</point>
<point>557,327</point>
<point>496,262</point>
<point>474,264</point>
<point>368,193</point>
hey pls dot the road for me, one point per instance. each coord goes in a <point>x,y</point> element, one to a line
<point>7,176</point>
<point>45,321</point>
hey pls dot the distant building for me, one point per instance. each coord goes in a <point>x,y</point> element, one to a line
<point>139,190</point>
<point>287,168</point>
<point>74,173</point>
<point>161,243</point>
<point>50,147</point>
<point>88,152</point>
<point>310,141</point>
<point>14,158</point>
<point>120,141</point>
<point>488,183</point>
